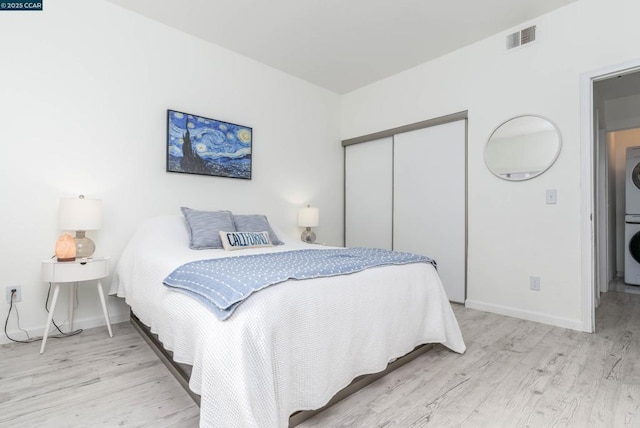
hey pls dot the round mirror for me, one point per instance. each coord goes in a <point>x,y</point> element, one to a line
<point>522,148</point>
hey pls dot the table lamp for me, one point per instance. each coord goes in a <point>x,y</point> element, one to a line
<point>81,214</point>
<point>308,217</point>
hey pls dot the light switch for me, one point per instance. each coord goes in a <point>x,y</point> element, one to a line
<point>552,196</point>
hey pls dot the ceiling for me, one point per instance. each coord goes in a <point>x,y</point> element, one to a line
<point>625,84</point>
<point>622,85</point>
<point>342,45</point>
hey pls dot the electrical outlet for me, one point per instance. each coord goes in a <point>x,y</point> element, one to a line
<point>534,283</point>
<point>17,296</point>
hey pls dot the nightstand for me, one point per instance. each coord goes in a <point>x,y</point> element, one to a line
<point>71,273</point>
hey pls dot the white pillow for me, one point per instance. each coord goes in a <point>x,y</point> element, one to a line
<point>240,240</point>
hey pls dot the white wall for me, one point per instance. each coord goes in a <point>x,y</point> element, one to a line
<point>611,201</point>
<point>622,113</point>
<point>512,232</point>
<point>84,90</point>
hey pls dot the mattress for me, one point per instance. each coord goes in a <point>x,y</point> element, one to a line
<point>288,347</point>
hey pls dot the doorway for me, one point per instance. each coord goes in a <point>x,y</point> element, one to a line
<point>613,107</point>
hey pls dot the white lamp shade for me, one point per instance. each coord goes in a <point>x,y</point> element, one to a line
<point>308,217</point>
<point>80,214</point>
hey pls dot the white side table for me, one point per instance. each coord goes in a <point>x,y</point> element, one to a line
<point>72,273</point>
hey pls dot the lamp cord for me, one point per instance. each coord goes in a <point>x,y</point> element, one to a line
<point>35,339</point>
<point>46,307</point>
<point>6,322</point>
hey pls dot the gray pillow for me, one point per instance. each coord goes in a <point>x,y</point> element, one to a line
<point>255,223</point>
<point>204,227</point>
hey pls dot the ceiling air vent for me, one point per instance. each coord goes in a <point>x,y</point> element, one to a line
<point>521,37</point>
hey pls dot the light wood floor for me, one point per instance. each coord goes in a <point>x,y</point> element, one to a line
<point>515,373</point>
<point>90,380</point>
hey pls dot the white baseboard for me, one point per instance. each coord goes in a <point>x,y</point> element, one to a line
<point>526,315</point>
<point>83,323</point>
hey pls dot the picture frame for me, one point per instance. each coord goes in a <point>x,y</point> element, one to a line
<point>203,146</point>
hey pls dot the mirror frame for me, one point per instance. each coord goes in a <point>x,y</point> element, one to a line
<point>549,165</point>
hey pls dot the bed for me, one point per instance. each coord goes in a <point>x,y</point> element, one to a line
<point>288,347</point>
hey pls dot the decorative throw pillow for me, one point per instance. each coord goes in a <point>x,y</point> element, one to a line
<point>239,240</point>
<point>255,223</point>
<point>204,227</point>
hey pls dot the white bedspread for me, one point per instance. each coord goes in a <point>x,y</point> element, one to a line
<point>289,347</point>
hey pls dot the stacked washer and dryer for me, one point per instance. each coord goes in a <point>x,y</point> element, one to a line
<point>632,218</point>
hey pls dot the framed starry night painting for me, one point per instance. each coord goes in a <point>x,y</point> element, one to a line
<point>198,145</point>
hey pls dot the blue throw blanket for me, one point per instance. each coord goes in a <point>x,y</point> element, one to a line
<point>222,284</point>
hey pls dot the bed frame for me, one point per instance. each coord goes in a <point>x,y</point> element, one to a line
<point>182,372</point>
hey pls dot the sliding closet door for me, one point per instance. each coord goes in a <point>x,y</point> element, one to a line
<point>429,199</point>
<point>368,187</point>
